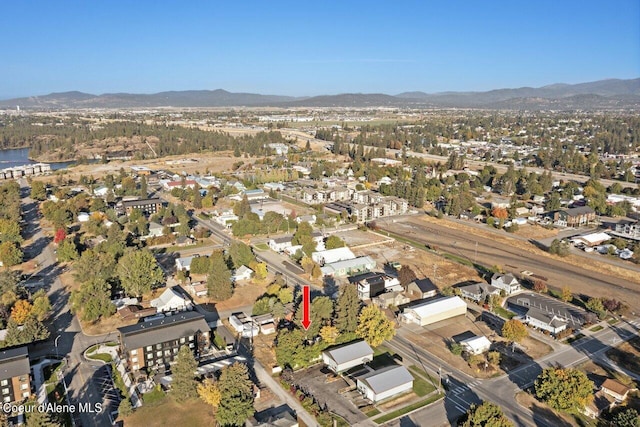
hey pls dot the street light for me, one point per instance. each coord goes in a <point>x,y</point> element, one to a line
<point>55,343</point>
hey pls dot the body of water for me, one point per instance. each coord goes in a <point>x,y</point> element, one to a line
<point>20,156</point>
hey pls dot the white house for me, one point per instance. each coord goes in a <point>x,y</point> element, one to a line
<point>547,322</point>
<point>347,356</point>
<point>434,311</point>
<point>184,264</point>
<point>226,219</point>
<point>332,255</point>
<point>171,300</point>
<point>384,383</point>
<point>279,244</point>
<point>505,282</point>
<point>155,229</point>
<point>476,345</point>
<point>100,191</point>
<point>242,273</point>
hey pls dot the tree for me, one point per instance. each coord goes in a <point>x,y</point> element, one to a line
<point>514,330</point>
<point>139,272</point>
<point>406,275</point>
<point>200,265</point>
<point>259,270</point>
<point>500,213</point>
<point>374,326</point>
<point>41,305</point>
<point>316,271</point>
<point>209,392</point>
<point>626,418</point>
<point>347,310</point>
<point>184,384</point>
<point>595,305</point>
<point>10,254</point>
<point>124,408</point>
<point>236,396</point>
<point>486,414</point>
<point>539,286</point>
<point>564,389</point>
<point>240,254</point>
<point>67,250</point>
<point>60,235</point>
<point>553,204</point>
<point>559,248</point>
<point>566,295</point>
<point>291,350</point>
<point>21,311</point>
<point>37,418</point>
<point>321,313</point>
<point>10,231</point>
<point>38,191</point>
<point>494,357</point>
<point>219,286</point>
<point>334,242</point>
<point>329,334</point>
<point>456,348</point>
<point>92,300</point>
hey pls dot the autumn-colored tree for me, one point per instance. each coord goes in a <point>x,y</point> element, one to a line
<point>564,389</point>
<point>374,326</point>
<point>60,235</point>
<point>21,311</point>
<point>486,414</point>
<point>566,295</point>
<point>329,334</point>
<point>514,330</point>
<point>539,286</point>
<point>209,392</point>
<point>500,213</point>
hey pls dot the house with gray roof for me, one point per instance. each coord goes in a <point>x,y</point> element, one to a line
<point>171,300</point>
<point>384,383</point>
<point>155,344</point>
<point>505,282</point>
<point>15,384</point>
<point>478,292</point>
<point>546,321</point>
<point>347,356</point>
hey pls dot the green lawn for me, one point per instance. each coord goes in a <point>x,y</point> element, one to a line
<point>372,413</point>
<point>421,387</point>
<point>119,383</point>
<point>407,409</point>
<point>381,349</point>
<point>504,312</point>
<point>156,395</point>
<point>597,328</point>
<point>261,246</point>
<point>613,321</point>
<point>105,357</point>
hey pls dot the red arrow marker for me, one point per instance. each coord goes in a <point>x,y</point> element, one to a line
<point>306,309</point>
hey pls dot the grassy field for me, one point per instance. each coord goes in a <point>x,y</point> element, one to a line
<point>105,357</point>
<point>504,313</point>
<point>166,412</point>
<point>597,328</point>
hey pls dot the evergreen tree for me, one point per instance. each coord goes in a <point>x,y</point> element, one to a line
<point>183,374</point>
<point>347,310</point>
<point>236,396</point>
<point>219,284</point>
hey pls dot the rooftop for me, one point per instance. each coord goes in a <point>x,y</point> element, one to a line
<point>386,378</point>
<point>164,329</point>
<point>348,352</point>
<point>14,362</point>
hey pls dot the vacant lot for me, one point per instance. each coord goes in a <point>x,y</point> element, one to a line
<point>166,412</point>
<point>627,355</point>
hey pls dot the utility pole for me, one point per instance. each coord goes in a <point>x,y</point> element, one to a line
<point>475,256</point>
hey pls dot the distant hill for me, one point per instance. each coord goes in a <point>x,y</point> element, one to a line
<point>603,94</point>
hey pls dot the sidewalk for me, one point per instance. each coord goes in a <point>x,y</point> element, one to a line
<point>38,380</point>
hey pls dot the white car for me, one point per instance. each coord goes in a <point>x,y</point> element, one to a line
<point>526,273</point>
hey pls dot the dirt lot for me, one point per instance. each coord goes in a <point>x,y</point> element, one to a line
<point>263,350</point>
<point>245,294</point>
<point>598,374</point>
<point>435,339</point>
<point>543,410</point>
<point>535,232</point>
<point>627,355</point>
<point>358,238</point>
<point>447,272</point>
<point>218,162</point>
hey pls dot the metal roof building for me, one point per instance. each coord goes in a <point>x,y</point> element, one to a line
<point>384,383</point>
<point>434,311</point>
<point>347,356</point>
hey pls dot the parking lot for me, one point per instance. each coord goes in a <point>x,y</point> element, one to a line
<point>322,384</point>
<point>573,315</point>
<point>111,396</point>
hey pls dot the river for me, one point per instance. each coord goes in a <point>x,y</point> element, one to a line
<point>20,156</point>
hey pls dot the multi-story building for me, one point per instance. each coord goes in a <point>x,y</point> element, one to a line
<point>146,206</point>
<point>15,371</point>
<point>155,344</point>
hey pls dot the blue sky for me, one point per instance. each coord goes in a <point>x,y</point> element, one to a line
<point>313,47</point>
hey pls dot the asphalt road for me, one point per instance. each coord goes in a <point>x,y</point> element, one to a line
<point>66,335</point>
<point>464,390</point>
<point>490,252</point>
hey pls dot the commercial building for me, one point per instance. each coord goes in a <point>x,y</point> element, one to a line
<point>476,345</point>
<point>155,344</point>
<point>348,267</point>
<point>332,255</point>
<point>347,356</point>
<point>384,383</point>
<point>15,384</point>
<point>434,311</point>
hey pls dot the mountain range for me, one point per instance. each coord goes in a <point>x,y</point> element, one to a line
<point>602,94</point>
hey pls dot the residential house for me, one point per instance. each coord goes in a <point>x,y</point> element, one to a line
<point>198,289</point>
<point>384,383</point>
<point>372,284</point>
<point>505,282</point>
<point>155,344</point>
<point>184,264</point>
<point>184,241</point>
<point>432,311</point>
<point>615,389</point>
<point>136,312</point>
<point>332,255</point>
<point>244,325</point>
<point>101,191</point>
<point>171,300</point>
<point>226,219</point>
<point>476,345</point>
<point>347,356</point>
<point>273,417</point>
<point>187,184</point>
<point>422,288</point>
<point>539,319</point>
<point>349,267</point>
<point>15,374</point>
<point>390,299</point>
<point>242,273</point>
<point>146,206</point>
<point>601,402</point>
<point>478,292</point>
<point>155,229</point>
<point>275,186</point>
<point>279,244</point>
